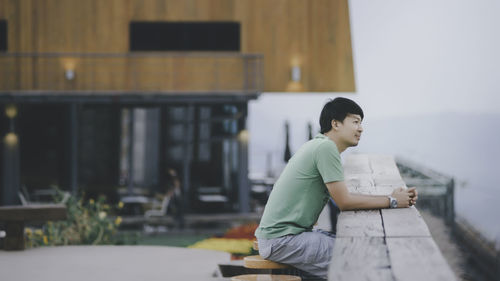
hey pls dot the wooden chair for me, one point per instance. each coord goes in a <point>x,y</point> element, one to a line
<point>25,199</point>
<point>159,212</point>
<point>156,213</point>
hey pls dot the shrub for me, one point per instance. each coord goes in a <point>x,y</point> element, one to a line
<point>88,223</point>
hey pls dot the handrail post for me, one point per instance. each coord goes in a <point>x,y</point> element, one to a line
<point>450,205</point>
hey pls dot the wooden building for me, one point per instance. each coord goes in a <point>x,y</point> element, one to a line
<point>74,75</point>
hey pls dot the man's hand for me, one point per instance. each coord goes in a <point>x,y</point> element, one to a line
<point>405,197</point>
<point>413,195</point>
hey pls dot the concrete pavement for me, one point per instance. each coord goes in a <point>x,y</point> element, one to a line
<point>107,263</point>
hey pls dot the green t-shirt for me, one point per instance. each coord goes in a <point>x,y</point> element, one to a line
<point>299,195</point>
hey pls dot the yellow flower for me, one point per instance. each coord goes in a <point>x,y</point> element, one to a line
<point>102,215</point>
<point>91,201</point>
<point>28,231</point>
<point>118,220</point>
<point>105,206</point>
<point>39,232</point>
<point>45,240</point>
<point>120,205</point>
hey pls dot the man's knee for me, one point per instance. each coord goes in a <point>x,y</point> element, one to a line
<point>265,247</point>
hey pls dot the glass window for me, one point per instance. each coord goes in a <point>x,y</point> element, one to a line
<point>184,36</point>
<point>3,36</point>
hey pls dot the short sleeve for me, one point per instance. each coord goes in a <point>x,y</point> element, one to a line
<point>328,163</point>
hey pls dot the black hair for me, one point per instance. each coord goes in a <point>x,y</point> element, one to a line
<point>337,109</point>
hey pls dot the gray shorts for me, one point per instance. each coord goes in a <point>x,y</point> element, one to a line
<point>308,251</point>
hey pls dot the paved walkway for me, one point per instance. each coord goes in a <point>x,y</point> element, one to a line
<point>124,263</point>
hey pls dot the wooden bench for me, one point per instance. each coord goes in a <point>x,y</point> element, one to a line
<point>387,244</point>
<point>16,216</point>
<point>257,262</point>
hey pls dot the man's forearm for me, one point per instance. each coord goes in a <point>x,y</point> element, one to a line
<point>346,200</point>
<point>360,201</point>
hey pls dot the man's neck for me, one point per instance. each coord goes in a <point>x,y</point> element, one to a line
<point>341,147</point>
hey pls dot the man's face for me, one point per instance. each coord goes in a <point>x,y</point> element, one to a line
<point>350,130</point>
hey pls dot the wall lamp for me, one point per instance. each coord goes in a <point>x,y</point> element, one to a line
<point>11,111</point>
<point>295,73</point>
<point>69,74</point>
<point>11,139</point>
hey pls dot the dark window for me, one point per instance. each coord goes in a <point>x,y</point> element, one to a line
<point>3,35</point>
<point>184,36</point>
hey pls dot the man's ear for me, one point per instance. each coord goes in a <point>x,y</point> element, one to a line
<point>334,124</point>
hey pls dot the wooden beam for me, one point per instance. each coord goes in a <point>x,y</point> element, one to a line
<point>404,222</point>
<point>360,224</point>
<point>360,258</point>
<point>417,258</point>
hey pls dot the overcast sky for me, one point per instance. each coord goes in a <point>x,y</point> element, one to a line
<point>427,78</point>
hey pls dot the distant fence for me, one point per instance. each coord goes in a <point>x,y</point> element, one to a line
<point>165,72</point>
<point>436,193</point>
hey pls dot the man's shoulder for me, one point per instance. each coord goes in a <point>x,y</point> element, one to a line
<point>320,143</point>
<point>325,146</point>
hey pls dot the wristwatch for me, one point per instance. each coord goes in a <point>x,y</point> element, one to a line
<point>393,203</point>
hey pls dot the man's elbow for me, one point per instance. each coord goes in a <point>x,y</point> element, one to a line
<point>342,206</point>
<point>345,203</point>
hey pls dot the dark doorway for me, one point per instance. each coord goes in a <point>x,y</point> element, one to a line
<point>43,143</point>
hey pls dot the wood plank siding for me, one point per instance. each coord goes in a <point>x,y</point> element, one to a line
<point>172,72</point>
<point>314,35</point>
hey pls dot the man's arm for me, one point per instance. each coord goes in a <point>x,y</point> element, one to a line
<point>348,201</point>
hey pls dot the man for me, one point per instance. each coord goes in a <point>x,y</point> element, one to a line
<point>311,176</point>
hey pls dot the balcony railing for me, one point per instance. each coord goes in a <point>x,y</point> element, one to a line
<point>132,72</point>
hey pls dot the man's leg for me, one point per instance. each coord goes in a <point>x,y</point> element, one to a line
<point>308,251</point>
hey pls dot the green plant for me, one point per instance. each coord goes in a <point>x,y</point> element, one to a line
<point>88,223</point>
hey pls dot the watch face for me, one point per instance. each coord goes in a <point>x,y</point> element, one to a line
<point>394,203</point>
